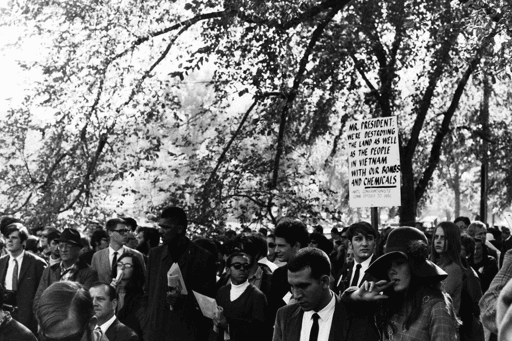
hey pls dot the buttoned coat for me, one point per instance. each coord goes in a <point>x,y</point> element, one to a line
<point>101,263</point>
<point>185,322</point>
<point>344,326</point>
<point>32,268</point>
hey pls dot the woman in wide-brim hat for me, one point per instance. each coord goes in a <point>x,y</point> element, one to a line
<point>416,307</point>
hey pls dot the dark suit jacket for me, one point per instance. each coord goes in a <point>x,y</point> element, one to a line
<point>30,273</point>
<point>279,287</point>
<point>185,322</point>
<point>346,274</point>
<point>344,327</point>
<point>119,332</point>
<point>12,330</point>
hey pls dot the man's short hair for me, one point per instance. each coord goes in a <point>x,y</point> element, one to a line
<point>293,231</point>
<point>50,236</point>
<point>6,221</point>
<point>465,220</point>
<point>229,260</point>
<point>112,223</point>
<point>361,227</point>
<point>176,214</point>
<point>62,300</point>
<point>111,291</point>
<point>17,227</point>
<point>334,230</point>
<point>478,224</point>
<point>312,258</point>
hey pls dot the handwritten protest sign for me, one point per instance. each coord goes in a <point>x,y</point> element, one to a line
<point>374,163</point>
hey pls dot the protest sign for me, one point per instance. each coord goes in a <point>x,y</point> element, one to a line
<point>374,163</point>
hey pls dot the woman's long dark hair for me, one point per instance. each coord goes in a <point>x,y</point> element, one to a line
<point>410,302</point>
<point>452,244</point>
<point>136,283</point>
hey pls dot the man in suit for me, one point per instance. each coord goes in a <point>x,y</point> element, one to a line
<point>319,314</point>
<point>362,239</point>
<point>291,236</point>
<point>184,322</point>
<point>105,303</point>
<point>70,268</point>
<point>105,261</point>
<point>20,273</point>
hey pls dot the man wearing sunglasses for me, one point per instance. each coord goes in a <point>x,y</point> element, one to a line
<point>243,304</point>
<point>71,268</point>
<point>105,261</point>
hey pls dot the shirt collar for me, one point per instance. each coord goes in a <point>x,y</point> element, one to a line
<point>111,251</point>
<point>325,312</point>
<point>364,264</point>
<point>20,256</point>
<point>104,327</point>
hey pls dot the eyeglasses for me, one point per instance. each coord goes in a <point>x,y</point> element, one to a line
<point>65,246</point>
<point>121,231</point>
<point>124,265</point>
<point>239,266</point>
<point>271,245</point>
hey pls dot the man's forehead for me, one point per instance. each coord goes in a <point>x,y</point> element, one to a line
<point>98,291</point>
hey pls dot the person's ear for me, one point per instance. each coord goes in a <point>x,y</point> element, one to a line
<point>297,246</point>
<point>114,303</point>
<point>326,281</point>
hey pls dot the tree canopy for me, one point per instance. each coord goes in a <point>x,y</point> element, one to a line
<point>239,108</point>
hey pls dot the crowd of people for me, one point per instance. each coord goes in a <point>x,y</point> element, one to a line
<point>121,281</point>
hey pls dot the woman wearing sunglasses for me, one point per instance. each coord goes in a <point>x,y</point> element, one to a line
<point>129,290</point>
<point>243,305</point>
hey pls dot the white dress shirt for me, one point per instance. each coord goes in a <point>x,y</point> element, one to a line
<point>324,322</point>
<point>111,254</point>
<point>364,266</point>
<point>107,324</point>
<point>10,269</point>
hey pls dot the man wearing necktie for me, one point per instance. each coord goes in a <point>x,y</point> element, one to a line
<point>105,261</point>
<point>20,273</point>
<point>319,314</point>
<point>362,239</point>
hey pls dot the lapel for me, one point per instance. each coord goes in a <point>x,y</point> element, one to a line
<point>105,261</point>
<point>4,262</point>
<point>344,281</point>
<point>367,276</point>
<point>112,331</point>
<point>295,324</point>
<point>339,326</point>
<point>27,260</point>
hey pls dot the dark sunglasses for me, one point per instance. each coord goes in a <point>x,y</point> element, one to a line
<point>271,245</point>
<point>121,231</point>
<point>239,266</point>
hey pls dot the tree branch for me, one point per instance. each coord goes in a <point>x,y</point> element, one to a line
<point>435,152</point>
